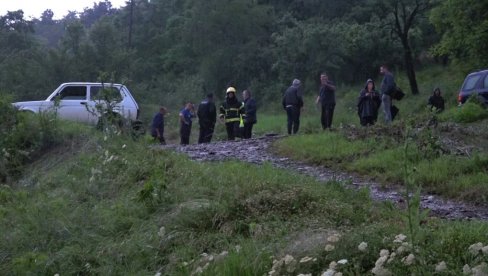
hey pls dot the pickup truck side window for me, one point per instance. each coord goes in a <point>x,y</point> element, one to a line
<point>73,93</point>
<point>111,94</point>
<point>486,82</point>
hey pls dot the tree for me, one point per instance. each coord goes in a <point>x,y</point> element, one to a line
<point>463,25</point>
<point>401,17</point>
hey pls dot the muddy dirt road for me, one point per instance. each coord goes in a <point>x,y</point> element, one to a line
<point>257,151</point>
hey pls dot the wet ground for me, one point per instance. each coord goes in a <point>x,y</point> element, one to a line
<point>257,151</point>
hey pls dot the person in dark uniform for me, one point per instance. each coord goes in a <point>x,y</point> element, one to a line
<point>157,126</point>
<point>250,117</point>
<point>231,112</point>
<point>186,115</point>
<point>207,116</point>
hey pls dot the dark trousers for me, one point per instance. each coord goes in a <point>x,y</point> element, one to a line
<point>232,129</point>
<point>247,130</point>
<point>327,115</point>
<point>185,131</point>
<point>293,114</point>
<point>206,133</point>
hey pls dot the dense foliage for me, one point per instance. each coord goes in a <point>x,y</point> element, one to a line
<point>170,51</point>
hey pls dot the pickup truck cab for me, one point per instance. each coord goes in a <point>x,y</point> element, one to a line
<point>78,101</point>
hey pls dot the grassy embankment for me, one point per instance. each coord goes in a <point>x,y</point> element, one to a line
<point>109,205</point>
<point>449,159</point>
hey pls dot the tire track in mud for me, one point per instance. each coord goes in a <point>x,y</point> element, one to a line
<point>257,151</point>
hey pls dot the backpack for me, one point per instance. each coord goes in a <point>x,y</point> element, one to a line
<point>397,93</point>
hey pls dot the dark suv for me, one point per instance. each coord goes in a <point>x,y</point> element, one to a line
<point>476,82</point>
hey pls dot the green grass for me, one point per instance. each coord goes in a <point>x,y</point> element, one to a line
<point>379,151</point>
<point>100,210</point>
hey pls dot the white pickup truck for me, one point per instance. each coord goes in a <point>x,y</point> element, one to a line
<point>77,101</point>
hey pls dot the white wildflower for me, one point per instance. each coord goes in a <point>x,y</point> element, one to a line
<point>332,265</point>
<point>342,262</point>
<point>157,274</point>
<point>162,232</point>
<point>466,269</point>
<point>384,252</point>
<point>440,267</point>
<point>57,274</point>
<point>362,246</point>
<point>105,138</point>
<point>329,247</point>
<point>480,270</point>
<point>288,259</point>
<point>305,259</point>
<point>475,248</point>
<point>334,238</point>
<point>381,261</point>
<point>328,272</point>
<point>392,257</point>
<point>290,263</point>
<point>185,263</point>
<point>106,153</point>
<point>399,238</point>
<point>92,178</point>
<point>380,271</point>
<point>224,253</point>
<point>405,247</point>
<point>124,146</point>
<point>409,259</point>
<point>199,270</point>
<point>309,274</point>
<point>238,248</point>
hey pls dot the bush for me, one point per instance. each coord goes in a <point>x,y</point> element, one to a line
<point>23,136</point>
<point>471,111</point>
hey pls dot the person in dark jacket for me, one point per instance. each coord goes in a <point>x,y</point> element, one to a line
<point>327,100</point>
<point>368,104</point>
<point>231,112</point>
<point>250,116</point>
<point>293,103</point>
<point>207,116</point>
<point>186,115</point>
<point>157,126</point>
<point>387,88</point>
<point>436,100</point>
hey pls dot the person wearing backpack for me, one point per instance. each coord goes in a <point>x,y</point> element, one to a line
<point>293,103</point>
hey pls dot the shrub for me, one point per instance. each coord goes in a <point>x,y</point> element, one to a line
<point>471,111</point>
<point>23,136</point>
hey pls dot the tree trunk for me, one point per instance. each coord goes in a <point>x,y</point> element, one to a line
<point>410,67</point>
<point>130,23</point>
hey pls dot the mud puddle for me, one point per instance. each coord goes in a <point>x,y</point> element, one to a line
<point>257,151</point>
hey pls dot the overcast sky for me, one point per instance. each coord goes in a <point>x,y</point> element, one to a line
<point>34,8</point>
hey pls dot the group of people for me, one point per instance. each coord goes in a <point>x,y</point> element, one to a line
<point>368,104</point>
<point>239,118</point>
